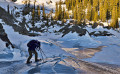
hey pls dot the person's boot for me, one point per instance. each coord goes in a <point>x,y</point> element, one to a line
<point>28,62</point>
<point>37,60</point>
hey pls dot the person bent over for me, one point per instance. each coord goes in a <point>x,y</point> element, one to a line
<point>32,45</point>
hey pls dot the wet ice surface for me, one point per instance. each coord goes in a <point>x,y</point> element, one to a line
<point>6,56</point>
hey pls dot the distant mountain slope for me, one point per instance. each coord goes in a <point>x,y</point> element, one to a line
<point>19,3</point>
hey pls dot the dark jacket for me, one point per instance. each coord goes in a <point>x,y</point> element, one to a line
<point>33,44</point>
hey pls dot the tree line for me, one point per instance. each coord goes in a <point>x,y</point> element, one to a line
<point>81,11</point>
<point>90,10</point>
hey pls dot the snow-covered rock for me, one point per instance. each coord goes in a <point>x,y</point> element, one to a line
<point>105,24</point>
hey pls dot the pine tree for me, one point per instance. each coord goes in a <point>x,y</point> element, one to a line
<point>51,14</point>
<point>60,11</point>
<point>64,13</point>
<point>56,11</point>
<point>85,3</point>
<point>8,10</point>
<point>101,11</point>
<point>67,15</point>
<point>44,15</point>
<point>116,2</point>
<point>95,4</point>
<point>119,9</point>
<point>34,3</point>
<point>38,11</point>
<point>106,11</point>
<point>72,5</point>
<point>100,1</point>
<point>114,21</point>
<point>67,4</point>
<point>80,12</point>
<point>108,15</point>
<point>96,16</point>
<point>111,5</point>
<point>93,13</point>
<point>33,17</point>
<point>103,15</point>
<point>28,3</point>
<point>77,2</point>
<point>106,5</point>
<point>75,12</point>
<point>89,8</point>
<point>84,10</point>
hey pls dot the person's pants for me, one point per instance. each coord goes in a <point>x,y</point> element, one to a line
<point>30,55</point>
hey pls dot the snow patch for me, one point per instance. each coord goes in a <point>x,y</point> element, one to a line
<point>105,24</point>
<point>74,39</point>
